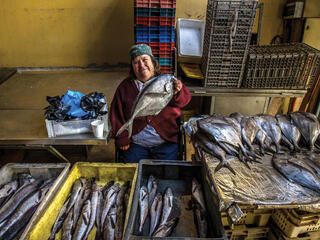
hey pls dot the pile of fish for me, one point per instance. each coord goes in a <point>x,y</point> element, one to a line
<point>163,210</point>
<point>88,205</point>
<point>19,200</point>
<point>302,169</point>
<point>249,137</point>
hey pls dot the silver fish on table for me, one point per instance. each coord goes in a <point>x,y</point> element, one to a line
<point>308,125</point>
<point>25,178</point>
<point>155,95</point>
<point>59,220</point>
<point>202,141</point>
<point>110,224</point>
<point>21,194</point>
<point>295,172</point>
<point>94,203</point>
<point>197,194</point>
<point>167,206</point>
<point>30,202</point>
<point>290,133</point>
<point>155,213</point>
<point>249,130</point>
<point>110,200</point>
<point>67,227</point>
<point>144,206</point>
<point>83,222</point>
<point>166,229</point>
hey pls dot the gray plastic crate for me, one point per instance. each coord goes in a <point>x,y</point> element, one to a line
<point>227,37</point>
<point>178,175</point>
<point>290,66</point>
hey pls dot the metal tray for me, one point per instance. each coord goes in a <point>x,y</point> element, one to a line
<point>38,171</point>
<point>178,175</point>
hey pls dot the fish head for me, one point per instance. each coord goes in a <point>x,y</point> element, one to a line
<point>143,192</point>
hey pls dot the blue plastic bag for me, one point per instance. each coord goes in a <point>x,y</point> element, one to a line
<point>73,99</point>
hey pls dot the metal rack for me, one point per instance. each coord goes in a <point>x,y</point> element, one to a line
<point>227,37</point>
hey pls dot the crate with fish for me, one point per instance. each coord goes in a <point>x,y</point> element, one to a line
<point>74,112</point>
<point>93,203</point>
<point>25,191</point>
<point>173,200</point>
<point>240,232</point>
<point>294,223</point>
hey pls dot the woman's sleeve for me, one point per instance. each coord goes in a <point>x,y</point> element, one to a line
<point>182,98</point>
<point>117,119</point>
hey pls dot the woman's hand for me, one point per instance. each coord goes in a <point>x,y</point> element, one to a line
<point>177,86</point>
<point>125,148</point>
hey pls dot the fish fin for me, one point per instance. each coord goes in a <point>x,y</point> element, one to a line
<point>226,165</point>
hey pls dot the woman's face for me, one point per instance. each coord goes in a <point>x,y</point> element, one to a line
<point>143,67</point>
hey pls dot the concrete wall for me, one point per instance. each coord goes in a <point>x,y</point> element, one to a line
<point>53,33</point>
<point>311,34</point>
<point>50,33</point>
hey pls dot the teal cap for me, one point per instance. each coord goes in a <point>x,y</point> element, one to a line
<point>140,49</point>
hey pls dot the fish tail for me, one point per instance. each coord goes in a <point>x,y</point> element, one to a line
<point>130,130</point>
<point>226,165</point>
<point>125,126</point>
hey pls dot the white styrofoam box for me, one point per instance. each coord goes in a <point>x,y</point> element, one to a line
<point>190,34</point>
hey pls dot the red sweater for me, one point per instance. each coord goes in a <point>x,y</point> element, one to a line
<point>164,123</point>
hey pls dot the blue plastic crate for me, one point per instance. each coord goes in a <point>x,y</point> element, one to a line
<point>148,12</point>
<point>154,34</point>
<point>165,61</point>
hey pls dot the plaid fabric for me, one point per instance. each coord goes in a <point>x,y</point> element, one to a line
<point>140,49</point>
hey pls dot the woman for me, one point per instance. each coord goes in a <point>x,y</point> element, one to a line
<point>153,137</point>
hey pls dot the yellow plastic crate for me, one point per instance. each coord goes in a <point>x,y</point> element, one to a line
<point>243,232</point>
<point>276,234</point>
<point>302,218</point>
<point>103,173</point>
<point>282,218</point>
<point>257,217</point>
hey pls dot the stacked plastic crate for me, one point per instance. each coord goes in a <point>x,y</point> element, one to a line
<point>154,25</point>
<point>226,41</point>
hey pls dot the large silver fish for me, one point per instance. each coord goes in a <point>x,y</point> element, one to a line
<point>110,224</point>
<point>29,203</point>
<point>21,194</point>
<point>94,204</point>
<point>83,222</point>
<point>167,206</point>
<point>166,229</point>
<point>295,172</point>
<point>111,199</point>
<point>59,220</point>
<point>77,185</point>
<point>197,194</point>
<point>67,227</point>
<point>155,95</point>
<point>155,213</point>
<point>290,133</point>
<point>308,125</point>
<point>152,188</point>
<point>143,204</point>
